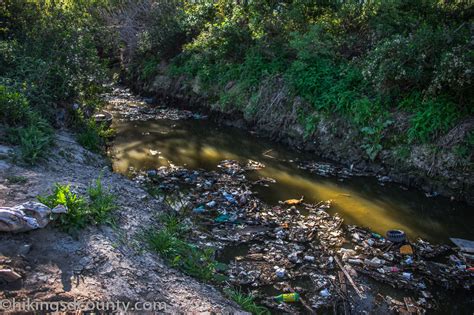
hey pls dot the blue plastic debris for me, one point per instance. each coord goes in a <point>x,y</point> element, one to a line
<point>199,209</point>
<point>229,197</point>
<point>211,204</point>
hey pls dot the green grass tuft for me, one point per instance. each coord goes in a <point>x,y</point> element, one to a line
<point>169,242</point>
<point>14,179</point>
<point>246,301</point>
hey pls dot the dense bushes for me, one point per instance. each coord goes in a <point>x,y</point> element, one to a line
<point>49,53</point>
<point>362,61</point>
<point>48,59</point>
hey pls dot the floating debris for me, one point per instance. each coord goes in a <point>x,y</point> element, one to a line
<point>329,170</point>
<point>295,239</point>
<point>292,202</point>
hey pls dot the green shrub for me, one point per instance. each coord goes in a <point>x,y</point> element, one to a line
<point>424,61</point>
<point>14,107</point>
<point>33,140</point>
<point>101,204</point>
<point>27,128</point>
<point>150,69</point>
<point>432,118</point>
<point>48,52</point>
<point>92,136</point>
<point>77,215</point>
<point>81,212</point>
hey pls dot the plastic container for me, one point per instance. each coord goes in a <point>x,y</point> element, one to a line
<point>396,236</point>
<point>280,272</point>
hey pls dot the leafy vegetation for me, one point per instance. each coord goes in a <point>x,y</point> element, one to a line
<point>246,301</point>
<point>82,211</point>
<point>92,136</point>
<point>26,127</point>
<point>77,210</point>
<point>170,242</point>
<point>362,61</point>
<point>48,59</point>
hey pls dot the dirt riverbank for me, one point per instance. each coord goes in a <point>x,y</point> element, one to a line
<point>100,263</point>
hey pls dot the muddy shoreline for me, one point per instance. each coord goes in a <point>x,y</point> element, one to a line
<point>435,173</point>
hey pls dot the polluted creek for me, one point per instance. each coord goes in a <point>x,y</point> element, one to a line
<point>300,234</point>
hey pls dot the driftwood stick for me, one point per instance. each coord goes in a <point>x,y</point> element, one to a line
<point>348,276</point>
<point>310,310</point>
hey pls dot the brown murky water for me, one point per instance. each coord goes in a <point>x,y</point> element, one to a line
<point>359,200</point>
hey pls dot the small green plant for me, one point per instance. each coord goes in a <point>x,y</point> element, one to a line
<point>81,212</point>
<point>77,209</point>
<point>14,107</point>
<point>102,203</point>
<point>163,242</point>
<point>373,136</point>
<point>27,128</point>
<point>92,135</point>
<point>33,141</point>
<point>432,118</point>
<point>246,301</point>
<point>15,179</point>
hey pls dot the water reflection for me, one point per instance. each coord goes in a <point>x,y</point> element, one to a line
<point>361,201</point>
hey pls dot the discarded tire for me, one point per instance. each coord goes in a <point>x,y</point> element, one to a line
<point>396,236</point>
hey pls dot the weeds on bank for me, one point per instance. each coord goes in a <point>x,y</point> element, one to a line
<point>101,202</point>
<point>246,301</point>
<point>170,243</point>
<point>95,208</point>
<point>26,128</point>
<point>14,179</point>
<point>91,135</point>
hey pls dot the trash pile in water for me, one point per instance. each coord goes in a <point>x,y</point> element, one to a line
<point>133,108</point>
<point>328,169</point>
<point>295,243</point>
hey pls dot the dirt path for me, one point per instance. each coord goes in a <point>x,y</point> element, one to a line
<point>101,263</point>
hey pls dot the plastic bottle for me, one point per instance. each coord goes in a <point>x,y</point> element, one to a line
<point>407,276</point>
<point>377,236</point>
<point>287,297</point>
<point>391,269</point>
